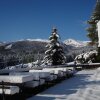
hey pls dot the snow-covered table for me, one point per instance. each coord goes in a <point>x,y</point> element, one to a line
<point>35,78</point>
<point>34,75</point>
<point>38,78</point>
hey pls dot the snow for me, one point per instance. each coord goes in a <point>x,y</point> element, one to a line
<point>55,71</point>
<point>16,78</point>
<point>87,57</point>
<point>10,90</point>
<point>34,75</point>
<point>30,40</point>
<point>41,40</point>
<point>8,46</point>
<point>84,86</point>
<point>41,73</point>
<point>75,43</point>
<point>47,74</point>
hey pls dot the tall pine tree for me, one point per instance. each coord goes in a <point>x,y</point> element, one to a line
<point>54,53</point>
<point>92,30</point>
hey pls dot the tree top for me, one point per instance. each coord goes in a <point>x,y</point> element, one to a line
<point>54,30</point>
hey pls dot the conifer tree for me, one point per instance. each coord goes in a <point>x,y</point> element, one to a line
<point>92,30</point>
<point>54,53</point>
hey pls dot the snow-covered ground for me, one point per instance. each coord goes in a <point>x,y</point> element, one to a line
<point>85,85</point>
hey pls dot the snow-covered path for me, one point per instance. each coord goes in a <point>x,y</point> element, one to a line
<point>84,86</point>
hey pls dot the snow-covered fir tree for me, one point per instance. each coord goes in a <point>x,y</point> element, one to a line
<point>54,54</point>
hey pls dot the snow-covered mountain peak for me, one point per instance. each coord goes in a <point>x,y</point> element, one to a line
<point>31,40</point>
<point>75,43</point>
<point>41,40</point>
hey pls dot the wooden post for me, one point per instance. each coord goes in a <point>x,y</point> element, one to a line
<point>3,92</point>
<point>98,28</point>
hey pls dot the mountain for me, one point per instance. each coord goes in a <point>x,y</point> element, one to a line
<point>28,45</point>
<point>32,49</point>
<point>38,45</point>
<point>76,43</point>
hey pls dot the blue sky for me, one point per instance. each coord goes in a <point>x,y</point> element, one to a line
<point>24,19</point>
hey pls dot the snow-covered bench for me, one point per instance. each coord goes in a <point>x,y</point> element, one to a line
<point>38,77</point>
<point>33,83</point>
<point>9,90</point>
<point>33,75</point>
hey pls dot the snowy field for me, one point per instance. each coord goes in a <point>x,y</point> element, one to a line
<point>85,85</point>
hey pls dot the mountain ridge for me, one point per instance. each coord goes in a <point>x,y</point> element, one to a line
<point>70,42</point>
